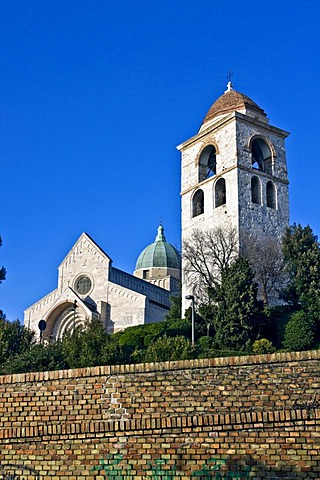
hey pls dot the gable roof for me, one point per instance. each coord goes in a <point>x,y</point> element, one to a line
<point>87,237</point>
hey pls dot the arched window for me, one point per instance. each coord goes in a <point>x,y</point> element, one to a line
<point>255,190</point>
<point>261,156</point>
<point>271,195</point>
<point>197,203</point>
<point>220,193</point>
<point>207,163</point>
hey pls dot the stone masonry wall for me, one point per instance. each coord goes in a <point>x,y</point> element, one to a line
<point>254,417</point>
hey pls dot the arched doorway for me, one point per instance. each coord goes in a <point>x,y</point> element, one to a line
<point>63,319</point>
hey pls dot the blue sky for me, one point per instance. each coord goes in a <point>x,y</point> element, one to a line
<point>95,97</point>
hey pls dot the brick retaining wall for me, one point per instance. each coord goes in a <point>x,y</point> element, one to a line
<point>255,417</point>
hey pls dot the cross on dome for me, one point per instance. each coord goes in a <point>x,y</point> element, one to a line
<point>229,87</point>
<point>229,84</point>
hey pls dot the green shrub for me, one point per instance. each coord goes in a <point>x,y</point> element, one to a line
<point>178,327</point>
<point>15,339</point>
<point>299,332</point>
<point>169,349</point>
<point>205,347</point>
<point>262,346</point>
<point>38,358</point>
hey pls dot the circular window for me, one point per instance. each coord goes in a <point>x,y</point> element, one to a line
<point>83,285</point>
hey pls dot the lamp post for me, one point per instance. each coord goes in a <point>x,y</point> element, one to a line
<point>191,297</point>
<point>74,307</point>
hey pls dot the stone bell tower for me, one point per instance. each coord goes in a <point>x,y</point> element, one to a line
<point>234,172</point>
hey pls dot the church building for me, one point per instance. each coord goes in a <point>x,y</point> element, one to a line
<point>90,287</point>
<point>233,174</point>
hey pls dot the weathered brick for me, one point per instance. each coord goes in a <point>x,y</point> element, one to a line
<point>179,416</point>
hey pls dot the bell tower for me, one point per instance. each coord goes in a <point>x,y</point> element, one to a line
<point>234,173</point>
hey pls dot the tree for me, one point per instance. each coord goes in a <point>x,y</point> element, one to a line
<point>205,317</point>
<point>267,262</point>
<point>302,255</point>
<point>14,339</point>
<point>205,255</point>
<point>175,311</point>
<point>205,347</point>
<point>235,306</point>
<point>38,358</point>
<point>86,347</point>
<point>299,332</point>
<point>89,346</point>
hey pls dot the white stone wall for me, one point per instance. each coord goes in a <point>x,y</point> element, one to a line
<point>38,310</point>
<point>154,293</point>
<point>163,277</point>
<point>221,134</point>
<point>85,258</point>
<point>231,136</point>
<point>246,129</point>
<point>154,312</point>
<point>260,219</point>
<point>126,308</point>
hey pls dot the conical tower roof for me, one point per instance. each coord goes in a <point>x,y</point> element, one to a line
<point>232,101</point>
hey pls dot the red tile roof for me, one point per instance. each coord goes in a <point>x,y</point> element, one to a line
<point>231,101</point>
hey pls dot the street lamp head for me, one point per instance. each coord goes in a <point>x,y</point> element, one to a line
<point>189,297</point>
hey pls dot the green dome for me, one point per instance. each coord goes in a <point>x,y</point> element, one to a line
<point>160,253</point>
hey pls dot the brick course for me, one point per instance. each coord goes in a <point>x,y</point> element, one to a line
<point>239,417</point>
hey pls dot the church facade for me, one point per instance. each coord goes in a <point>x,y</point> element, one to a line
<point>233,175</point>
<point>89,287</point>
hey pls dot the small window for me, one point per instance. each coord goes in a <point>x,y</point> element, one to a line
<point>145,274</point>
<point>261,156</point>
<point>255,190</point>
<point>271,195</point>
<point>197,203</point>
<point>220,193</point>
<point>207,163</point>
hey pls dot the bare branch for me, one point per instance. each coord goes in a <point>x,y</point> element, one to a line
<point>267,262</point>
<point>205,255</point>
